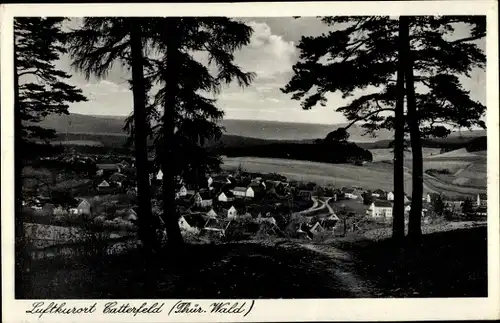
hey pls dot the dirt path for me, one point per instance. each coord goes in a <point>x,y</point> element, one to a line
<point>341,269</point>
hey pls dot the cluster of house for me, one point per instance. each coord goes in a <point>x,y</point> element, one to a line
<point>382,205</point>
<point>225,189</point>
<point>112,177</point>
<point>479,204</point>
<point>226,198</point>
<point>73,206</point>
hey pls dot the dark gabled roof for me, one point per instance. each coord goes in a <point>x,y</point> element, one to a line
<point>240,189</point>
<point>483,196</point>
<point>381,203</point>
<point>349,190</point>
<point>205,195</point>
<point>213,223</point>
<point>379,191</point>
<point>74,202</point>
<point>257,188</point>
<point>218,185</point>
<point>220,178</point>
<point>116,177</point>
<point>196,220</point>
<point>107,166</point>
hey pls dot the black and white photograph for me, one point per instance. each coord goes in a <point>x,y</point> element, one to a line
<point>249,157</point>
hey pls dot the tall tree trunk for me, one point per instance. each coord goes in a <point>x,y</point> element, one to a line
<point>170,216</point>
<point>414,225</point>
<point>21,255</point>
<point>398,229</point>
<point>146,228</point>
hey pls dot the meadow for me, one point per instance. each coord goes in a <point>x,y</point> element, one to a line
<point>467,178</point>
<point>370,176</point>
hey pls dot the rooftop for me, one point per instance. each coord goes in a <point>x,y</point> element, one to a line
<point>380,203</point>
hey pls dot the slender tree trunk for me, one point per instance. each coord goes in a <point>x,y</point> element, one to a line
<point>398,208</point>
<point>22,257</point>
<point>146,228</point>
<point>170,216</point>
<point>414,225</point>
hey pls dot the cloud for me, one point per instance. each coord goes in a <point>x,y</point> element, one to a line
<point>271,54</point>
<point>267,54</point>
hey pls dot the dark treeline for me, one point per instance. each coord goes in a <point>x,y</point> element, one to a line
<point>233,141</point>
<point>318,152</point>
<point>237,146</point>
<point>477,144</point>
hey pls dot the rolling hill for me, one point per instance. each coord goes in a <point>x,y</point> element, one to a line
<point>240,132</point>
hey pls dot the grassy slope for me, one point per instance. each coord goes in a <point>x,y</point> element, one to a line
<point>370,176</point>
<point>207,271</point>
<point>450,264</point>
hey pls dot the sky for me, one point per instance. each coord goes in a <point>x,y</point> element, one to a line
<point>271,54</point>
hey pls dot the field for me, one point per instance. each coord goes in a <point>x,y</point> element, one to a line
<point>78,143</point>
<point>467,178</point>
<point>370,176</point>
<point>381,154</point>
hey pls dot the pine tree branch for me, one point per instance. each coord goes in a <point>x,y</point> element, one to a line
<point>35,72</point>
<point>363,118</point>
<point>467,39</point>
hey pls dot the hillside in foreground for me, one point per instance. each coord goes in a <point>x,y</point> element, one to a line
<point>343,269</point>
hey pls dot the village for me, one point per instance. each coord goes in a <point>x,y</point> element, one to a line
<point>228,205</point>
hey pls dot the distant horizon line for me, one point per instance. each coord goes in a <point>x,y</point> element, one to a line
<point>262,120</point>
<point>125,116</point>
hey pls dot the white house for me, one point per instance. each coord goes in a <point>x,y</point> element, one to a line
<point>378,193</point>
<point>104,186</point>
<point>482,200</point>
<point>249,192</point>
<point>482,211</point>
<point>210,180</point>
<point>243,192</point>
<point>131,215</point>
<point>316,228</point>
<point>104,183</point>
<point>222,197</point>
<point>182,191</point>
<point>390,196</point>
<point>350,193</point>
<point>454,205</point>
<point>159,175</point>
<point>427,198</point>
<point>381,209</point>
<point>212,213</point>
<point>83,207</point>
<point>232,213</point>
<point>185,226</point>
<point>225,197</point>
<point>202,199</point>
<point>408,209</point>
